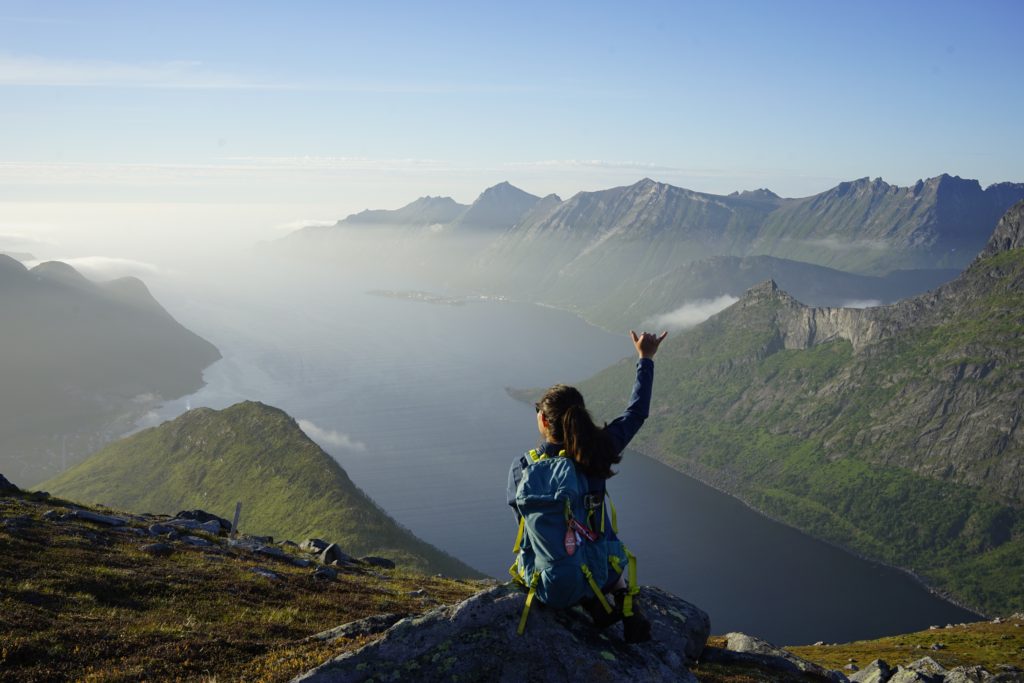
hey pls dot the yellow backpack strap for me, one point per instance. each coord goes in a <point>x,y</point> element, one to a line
<point>633,589</point>
<point>519,536</point>
<point>534,455</point>
<point>615,517</point>
<point>597,589</point>
<point>529,601</point>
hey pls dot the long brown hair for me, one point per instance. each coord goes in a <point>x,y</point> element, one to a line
<point>570,424</point>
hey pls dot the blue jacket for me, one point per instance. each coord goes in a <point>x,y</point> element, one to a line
<point>621,430</point>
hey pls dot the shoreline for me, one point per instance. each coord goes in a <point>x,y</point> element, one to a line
<point>932,590</point>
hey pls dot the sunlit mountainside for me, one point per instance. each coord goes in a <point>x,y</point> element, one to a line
<point>253,454</point>
<point>894,431</point>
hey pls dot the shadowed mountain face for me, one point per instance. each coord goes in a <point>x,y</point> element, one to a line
<point>79,359</point>
<point>893,430</point>
<point>258,455</point>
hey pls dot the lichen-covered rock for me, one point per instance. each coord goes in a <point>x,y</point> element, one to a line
<point>877,671</point>
<point>770,656</point>
<point>476,640</point>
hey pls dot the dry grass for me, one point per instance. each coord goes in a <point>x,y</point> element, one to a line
<point>83,602</point>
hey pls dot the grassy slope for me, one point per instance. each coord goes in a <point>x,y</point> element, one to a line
<point>82,602</point>
<point>257,455</point>
<point>790,432</point>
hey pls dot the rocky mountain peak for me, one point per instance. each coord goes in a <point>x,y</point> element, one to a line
<point>1009,232</point>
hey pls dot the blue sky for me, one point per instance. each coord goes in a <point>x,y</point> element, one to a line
<point>263,114</point>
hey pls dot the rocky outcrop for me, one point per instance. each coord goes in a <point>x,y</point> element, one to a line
<point>476,641</point>
<point>1009,233</point>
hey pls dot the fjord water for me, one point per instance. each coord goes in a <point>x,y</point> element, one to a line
<point>410,398</point>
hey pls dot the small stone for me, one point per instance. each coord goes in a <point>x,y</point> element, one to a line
<point>271,550</point>
<point>418,593</point>
<point>933,628</point>
<point>819,643</point>
<point>938,646</point>
<point>196,541</point>
<point>158,549</point>
<point>997,620</point>
<point>53,515</point>
<point>160,529</point>
<point>851,667</point>
<point>326,574</point>
<point>266,573</point>
<point>303,562</point>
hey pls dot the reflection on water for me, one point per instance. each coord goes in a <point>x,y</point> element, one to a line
<point>410,398</point>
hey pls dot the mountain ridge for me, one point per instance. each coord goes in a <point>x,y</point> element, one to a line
<point>82,361</point>
<point>892,431</point>
<point>256,454</point>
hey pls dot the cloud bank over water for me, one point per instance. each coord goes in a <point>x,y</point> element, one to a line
<point>331,437</point>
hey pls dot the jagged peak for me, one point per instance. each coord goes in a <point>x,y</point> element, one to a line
<point>504,190</point>
<point>1009,232</point>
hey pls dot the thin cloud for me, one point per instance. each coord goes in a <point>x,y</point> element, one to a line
<point>32,70</point>
<point>105,267</point>
<point>861,303</point>
<point>42,71</point>
<point>693,313</point>
<point>331,437</point>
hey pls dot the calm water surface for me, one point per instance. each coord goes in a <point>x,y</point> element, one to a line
<point>410,398</point>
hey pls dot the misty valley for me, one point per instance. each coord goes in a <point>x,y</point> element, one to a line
<point>842,371</point>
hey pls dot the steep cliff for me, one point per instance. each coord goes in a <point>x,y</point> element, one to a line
<point>892,430</point>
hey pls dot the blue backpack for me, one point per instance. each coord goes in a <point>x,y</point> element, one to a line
<point>567,547</point>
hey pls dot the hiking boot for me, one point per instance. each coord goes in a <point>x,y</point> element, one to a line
<point>599,616</point>
<point>635,628</point>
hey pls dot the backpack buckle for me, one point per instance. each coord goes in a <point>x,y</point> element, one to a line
<point>592,501</point>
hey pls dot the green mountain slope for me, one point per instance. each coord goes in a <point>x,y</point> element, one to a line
<point>255,454</point>
<point>893,431</point>
<point>79,360</point>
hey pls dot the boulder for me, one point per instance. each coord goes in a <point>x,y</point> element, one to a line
<point>203,516</point>
<point>158,549</point>
<point>210,526</point>
<point>877,671</point>
<point>967,674</point>
<point>378,623</point>
<point>928,667</point>
<point>476,640</point>
<point>333,553</point>
<point>774,657</point>
<point>314,545</point>
<point>90,516</point>
<point>196,541</point>
<point>326,573</point>
<point>905,675</point>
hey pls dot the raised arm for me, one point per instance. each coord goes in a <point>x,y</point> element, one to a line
<point>623,428</point>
